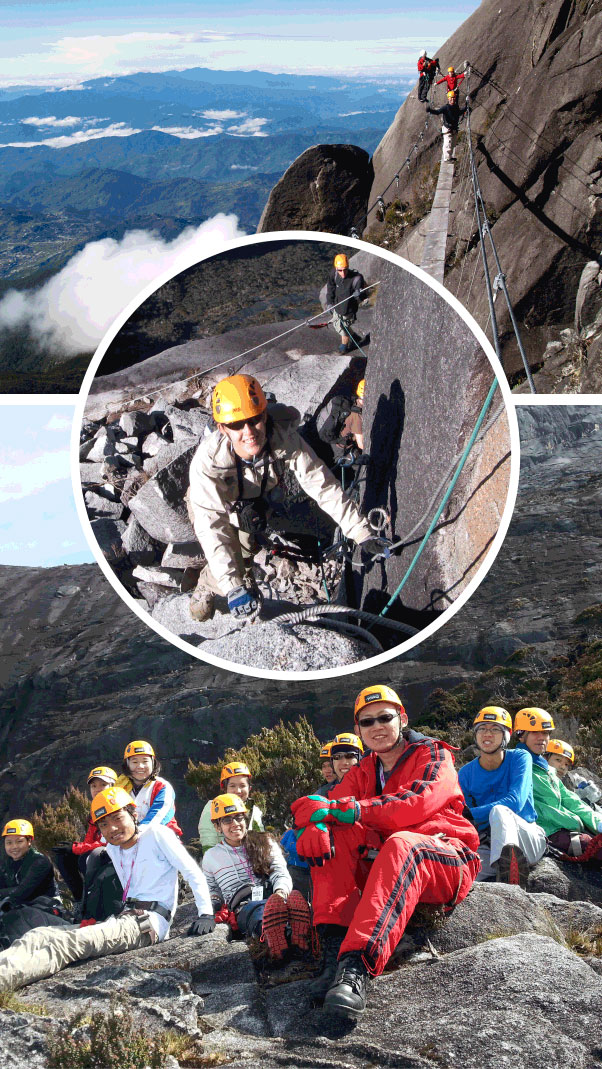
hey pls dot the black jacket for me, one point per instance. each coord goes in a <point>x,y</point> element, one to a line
<point>26,879</point>
<point>344,289</point>
<point>451,115</point>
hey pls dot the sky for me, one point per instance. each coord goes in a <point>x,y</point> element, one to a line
<point>38,522</point>
<point>62,43</point>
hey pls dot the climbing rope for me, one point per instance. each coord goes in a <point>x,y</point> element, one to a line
<point>592,848</point>
<point>446,498</point>
<point>290,618</point>
<point>500,279</point>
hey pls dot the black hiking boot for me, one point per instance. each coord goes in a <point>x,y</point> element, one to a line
<point>331,937</point>
<point>513,867</point>
<point>347,996</point>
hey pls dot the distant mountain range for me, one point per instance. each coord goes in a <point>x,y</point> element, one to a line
<point>161,151</point>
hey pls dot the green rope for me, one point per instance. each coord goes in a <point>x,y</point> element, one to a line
<point>446,498</point>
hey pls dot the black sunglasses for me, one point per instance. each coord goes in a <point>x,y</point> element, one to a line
<point>349,756</point>
<point>253,421</point>
<point>370,721</point>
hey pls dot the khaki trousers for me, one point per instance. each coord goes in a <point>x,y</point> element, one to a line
<point>43,952</point>
<point>244,550</point>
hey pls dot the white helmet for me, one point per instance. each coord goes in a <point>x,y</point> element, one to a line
<point>423,53</point>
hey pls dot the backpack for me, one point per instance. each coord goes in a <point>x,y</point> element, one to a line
<point>336,413</point>
<point>103,893</point>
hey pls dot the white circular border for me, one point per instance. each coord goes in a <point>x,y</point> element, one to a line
<point>430,629</point>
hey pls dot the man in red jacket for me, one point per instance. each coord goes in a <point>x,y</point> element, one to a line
<point>403,803</point>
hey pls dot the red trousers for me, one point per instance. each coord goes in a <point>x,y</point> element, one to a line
<point>375,901</point>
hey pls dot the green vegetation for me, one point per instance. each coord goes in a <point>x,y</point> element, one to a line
<point>115,1041</point>
<point>64,822</point>
<point>284,764</point>
<point>10,1001</point>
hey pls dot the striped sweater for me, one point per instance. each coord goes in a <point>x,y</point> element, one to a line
<point>227,869</point>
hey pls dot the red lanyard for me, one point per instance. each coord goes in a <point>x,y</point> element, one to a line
<point>126,886</point>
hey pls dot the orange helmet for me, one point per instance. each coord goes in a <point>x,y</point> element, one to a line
<point>138,746</point>
<point>103,772</point>
<point>450,70</point>
<point>345,742</point>
<point>493,714</point>
<point>325,751</point>
<point>360,388</point>
<point>226,805</point>
<point>341,261</point>
<point>377,693</point>
<point>563,749</point>
<point>109,801</point>
<point>533,720</point>
<point>235,768</point>
<point>238,397</point>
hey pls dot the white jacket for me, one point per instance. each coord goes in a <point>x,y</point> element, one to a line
<point>214,490</point>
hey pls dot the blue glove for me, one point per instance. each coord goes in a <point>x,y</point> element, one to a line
<point>243,603</point>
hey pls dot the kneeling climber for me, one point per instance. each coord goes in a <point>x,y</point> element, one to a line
<point>233,478</point>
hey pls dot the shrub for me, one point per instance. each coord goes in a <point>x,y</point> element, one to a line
<point>284,764</point>
<point>66,821</point>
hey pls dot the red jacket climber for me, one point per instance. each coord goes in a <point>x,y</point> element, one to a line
<point>427,68</point>
<point>403,803</point>
<point>452,79</point>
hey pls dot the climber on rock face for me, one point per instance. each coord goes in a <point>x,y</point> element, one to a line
<point>403,806</point>
<point>570,825</point>
<point>427,69</point>
<point>344,290</point>
<point>147,860</point>
<point>451,114</point>
<point>340,423</point>
<point>452,79</point>
<point>498,788</point>
<point>234,487</point>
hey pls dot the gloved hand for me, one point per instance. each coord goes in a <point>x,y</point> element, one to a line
<point>314,809</point>
<point>376,547</point>
<point>203,925</point>
<point>63,848</point>
<point>221,916</point>
<point>315,844</point>
<point>243,603</point>
<point>5,905</point>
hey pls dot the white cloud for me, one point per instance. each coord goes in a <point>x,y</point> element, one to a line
<point>74,309</point>
<point>242,167</point>
<point>345,114</point>
<point>189,132</point>
<point>249,128</point>
<point>22,475</point>
<point>93,133</point>
<point>225,114</point>
<point>52,120</point>
<point>58,423</point>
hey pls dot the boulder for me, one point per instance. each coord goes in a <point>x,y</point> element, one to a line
<point>326,188</point>
<point>109,533</point>
<point>99,505</point>
<point>187,425</point>
<point>570,916</point>
<point>138,544</point>
<point>567,880</point>
<point>136,424</point>
<point>159,504</point>
<point>183,555</point>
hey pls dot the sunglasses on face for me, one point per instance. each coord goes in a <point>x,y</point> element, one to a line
<point>233,820</point>
<point>345,756</point>
<point>370,721</point>
<point>253,421</point>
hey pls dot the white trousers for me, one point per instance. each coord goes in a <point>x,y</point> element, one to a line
<point>42,952</point>
<point>449,141</point>
<point>508,829</point>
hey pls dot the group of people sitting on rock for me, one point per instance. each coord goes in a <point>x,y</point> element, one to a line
<point>393,825</point>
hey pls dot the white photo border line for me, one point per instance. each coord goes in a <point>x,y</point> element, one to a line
<point>404,646</point>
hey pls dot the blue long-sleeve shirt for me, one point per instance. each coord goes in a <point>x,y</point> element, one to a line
<point>511,785</point>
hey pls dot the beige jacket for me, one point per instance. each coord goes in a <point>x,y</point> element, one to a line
<point>214,489</point>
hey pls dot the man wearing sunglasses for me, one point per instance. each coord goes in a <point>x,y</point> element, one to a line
<point>403,806</point>
<point>234,476</point>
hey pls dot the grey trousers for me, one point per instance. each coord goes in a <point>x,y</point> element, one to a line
<point>43,952</point>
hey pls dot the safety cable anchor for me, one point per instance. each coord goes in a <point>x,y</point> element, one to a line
<point>498,282</point>
<point>353,233</point>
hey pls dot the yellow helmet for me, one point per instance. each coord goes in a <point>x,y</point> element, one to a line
<point>103,772</point>
<point>225,805</point>
<point>18,827</point>
<point>450,70</point>
<point>235,768</point>
<point>377,693</point>
<point>360,388</point>
<point>138,746</point>
<point>493,714</point>
<point>109,801</point>
<point>452,95</point>
<point>533,720</point>
<point>563,749</point>
<point>238,397</point>
<point>341,261</point>
<point>325,751</point>
<point>347,741</point>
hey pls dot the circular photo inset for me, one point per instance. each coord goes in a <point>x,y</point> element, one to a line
<point>296,456</point>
